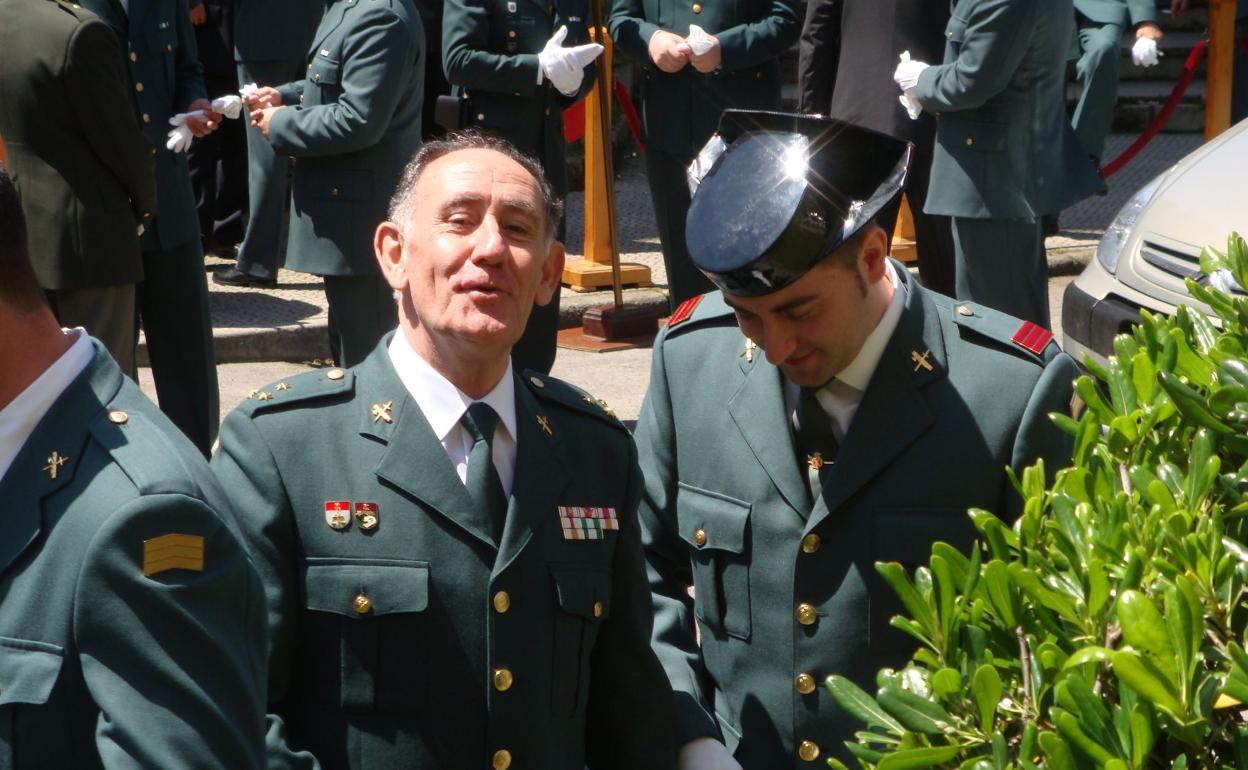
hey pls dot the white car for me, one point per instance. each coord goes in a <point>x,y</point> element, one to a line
<point>1155,242</point>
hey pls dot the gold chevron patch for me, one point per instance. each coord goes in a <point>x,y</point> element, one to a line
<point>173,551</point>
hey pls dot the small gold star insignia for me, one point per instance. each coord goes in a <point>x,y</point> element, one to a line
<point>264,396</point>
<point>920,360</point>
<point>253,394</point>
<point>748,351</point>
<point>282,386</point>
<point>382,412</point>
<point>55,461</point>
<point>609,411</point>
<point>545,424</point>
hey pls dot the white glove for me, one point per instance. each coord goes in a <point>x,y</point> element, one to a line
<point>565,67</point>
<point>705,754</point>
<point>907,78</point>
<point>698,40</point>
<point>230,106</point>
<point>1144,53</point>
<point>180,138</point>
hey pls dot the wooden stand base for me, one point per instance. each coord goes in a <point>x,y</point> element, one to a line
<point>584,275</point>
<point>607,322</point>
<point>904,250</point>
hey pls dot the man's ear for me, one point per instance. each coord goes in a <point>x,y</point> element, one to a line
<point>873,253</point>
<point>388,246</point>
<point>552,273</point>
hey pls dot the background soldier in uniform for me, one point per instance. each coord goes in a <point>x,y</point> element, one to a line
<point>822,413</point>
<point>451,551</point>
<point>131,619</point>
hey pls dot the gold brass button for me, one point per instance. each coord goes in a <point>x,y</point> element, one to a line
<point>134,56</point>
<point>480,116</point>
<point>597,609</point>
<point>502,602</point>
<point>699,537</point>
<point>333,191</point>
<point>147,118</point>
<point>697,8</point>
<point>806,614</point>
<point>335,374</point>
<point>138,87</point>
<point>501,760</point>
<point>964,310</point>
<point>808,751</point>
<point>502,679</point>
<point>168,46</point>
<point>363,604</point>
<point>511,33</point>
<point>118,417</point>
<point>969,141</point>
<point>316,77</point>
<point>811,543</point>
<point>537,382</point>
<point>309,68</point>
<point>804,684</point>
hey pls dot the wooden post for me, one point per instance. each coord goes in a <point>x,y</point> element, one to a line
<point>1219,67</point>
<point>904,248</point>
<point>594,271</point>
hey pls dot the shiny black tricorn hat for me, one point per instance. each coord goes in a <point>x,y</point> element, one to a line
<point>777,192</point>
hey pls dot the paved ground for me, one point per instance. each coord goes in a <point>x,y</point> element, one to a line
<point>257,332</point>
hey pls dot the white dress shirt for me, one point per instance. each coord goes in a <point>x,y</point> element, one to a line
<point>842,394</point>
<point>19,418</point>
<point>444,405</point>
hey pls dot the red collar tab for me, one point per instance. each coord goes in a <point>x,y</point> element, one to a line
<point>1032,337</point>
<point>684,310</point>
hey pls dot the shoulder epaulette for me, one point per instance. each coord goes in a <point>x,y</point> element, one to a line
<point>1027,338</point>
<point>142,451</point>
<point>566,394</point>
<point>695,310</point>
<point>303,387</point>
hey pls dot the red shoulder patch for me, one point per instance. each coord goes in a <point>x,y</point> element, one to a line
<point>684,310</point>
<point>1032,337</point>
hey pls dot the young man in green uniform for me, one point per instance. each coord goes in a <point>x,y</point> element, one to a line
<point>451,548</point>
<point>683,93</point>
<point>350,124</point>
<point>820,413</point>
<point>131,618</point>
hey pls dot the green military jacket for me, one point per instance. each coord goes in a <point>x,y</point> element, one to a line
<point>351,125</point>
<point>490,50</point>
<point>274,30</point>
<point>165,77</point>
<point>680,111</point>
<point>82,167</point>
<point>787,594</point>
<point>1123,13</point>
<point>131,617</point>
<point>413,641</point>
<point>1004,145</point>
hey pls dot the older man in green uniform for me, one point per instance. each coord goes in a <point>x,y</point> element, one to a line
<point>820,413</point>
<point>165,79</point>
<point>350,125</point>
<point>131,618</point>
<point>450,548</point>
<point>684,91</point>
<point>1005,153</point>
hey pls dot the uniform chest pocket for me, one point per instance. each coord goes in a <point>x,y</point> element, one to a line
<point>955,30</point>
<point>368,619</point>
<point>28,671</point>
<point>584,598</point>
<point>715,527</point>
<point>325,71</point>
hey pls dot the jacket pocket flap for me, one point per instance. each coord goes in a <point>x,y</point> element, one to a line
<point>955,30</point>
<point>974,135</point>
<point>323,71</point>
<point>335,183</point>
<point>906,535</point>
<point>711,521</point>
<point>361,588</point>
<point>582,591</point>
<point>28,670</point>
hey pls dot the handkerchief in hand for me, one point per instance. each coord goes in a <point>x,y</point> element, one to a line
<point>699,42</point>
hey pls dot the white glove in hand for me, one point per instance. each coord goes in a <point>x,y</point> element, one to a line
<point>230,106</point>
<point>1144,53</point>
<point>907,78</point>
<point>699,42</point>
<point>705,754</point>
<point>179,139</point>
<point>247,90</point>
<point>565,67</point>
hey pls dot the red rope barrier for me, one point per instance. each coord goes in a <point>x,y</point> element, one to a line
<point>630,114</point>
<point>1243,45</point>
<point>1189,71</point>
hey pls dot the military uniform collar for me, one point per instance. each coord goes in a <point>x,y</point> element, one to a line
<point>858,374</point>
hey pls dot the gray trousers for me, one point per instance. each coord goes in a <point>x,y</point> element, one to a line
<point>1001,263</point>
<point>107,313</point>
<point>669,191</point>
<point>263,249</point>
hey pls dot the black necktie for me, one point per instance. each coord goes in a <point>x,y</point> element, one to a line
<point>815,439</point>
<point>482,482</point>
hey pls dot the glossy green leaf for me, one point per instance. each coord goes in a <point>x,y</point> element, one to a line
<point>1086,655</point>
<point>946,682</point>
<point>997,582</point>
<point>1144,629</point>
<point>917,759</point>
<point>862,706</point>
<point>1057,752</point>
<point>1068,727</point>
<point>1146,679</point>
<point>914,711</point>
<point>987,688</point>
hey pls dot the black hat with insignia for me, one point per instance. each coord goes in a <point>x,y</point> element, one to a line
<point>777,192</point>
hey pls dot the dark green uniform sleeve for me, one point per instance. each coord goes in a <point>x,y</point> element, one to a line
<point>375,61</point>
<point>96,83</point>
<point>249,474</point>
<point>750,44</point>
<point>1142,11</point>
<point>466,55</point>
<point>188,71</point>
<point>1038,438</point>
<point>668,564</point>
<point>630,30</point>
<point>175,659</point>
<point>990,53</point>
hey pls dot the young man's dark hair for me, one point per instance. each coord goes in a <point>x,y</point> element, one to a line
<point>18,285</point>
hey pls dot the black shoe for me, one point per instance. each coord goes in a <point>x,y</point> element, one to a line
<point>232,276</point>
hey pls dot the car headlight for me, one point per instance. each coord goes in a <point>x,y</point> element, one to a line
<point>1115,239</point>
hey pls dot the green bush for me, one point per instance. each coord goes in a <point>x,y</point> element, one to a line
<point>1106,627</point>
